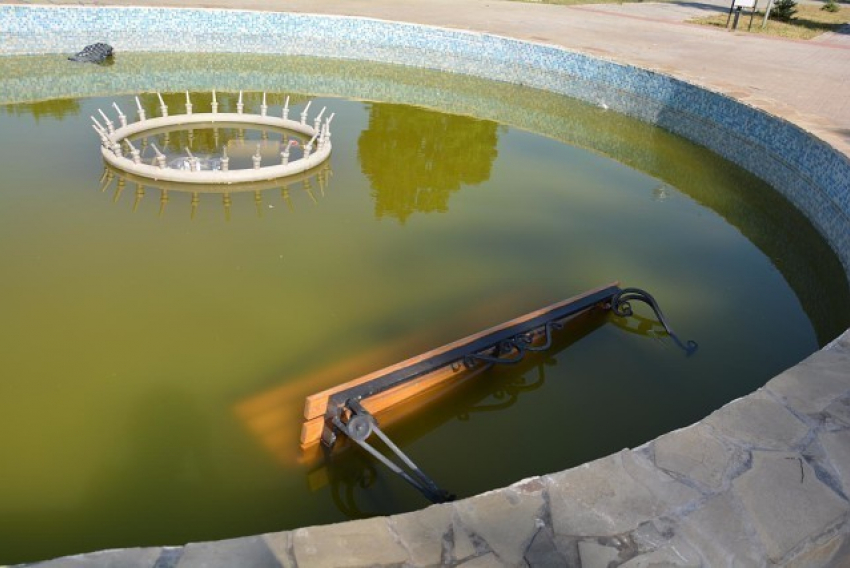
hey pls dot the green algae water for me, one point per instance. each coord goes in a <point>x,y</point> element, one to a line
<point>156,345</point>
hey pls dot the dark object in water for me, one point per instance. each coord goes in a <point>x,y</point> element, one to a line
<point>347,409</point>
<point>94,53</point>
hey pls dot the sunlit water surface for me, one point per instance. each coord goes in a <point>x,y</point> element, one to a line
<point>156,348</point>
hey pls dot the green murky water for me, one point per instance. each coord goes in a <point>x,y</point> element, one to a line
<point>156,348</point>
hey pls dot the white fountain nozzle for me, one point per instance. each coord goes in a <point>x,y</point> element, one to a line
<point>99,125</point>
<point>121,116</point>
<point>162,106</point>
<point>257,158</point>
<point>225,161</point>
<point>140,109</point>
<point>137,157</point>
<point>110,126</point>
<point>104,139</point>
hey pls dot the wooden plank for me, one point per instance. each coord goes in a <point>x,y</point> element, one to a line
<point>311,431</point>
<point>424,402</point>
<point>286,399</point>
<point>316,404</point>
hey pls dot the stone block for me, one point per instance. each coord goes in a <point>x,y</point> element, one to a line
<point>595,555</point>
<point>422,533</point>
<point>667,557</point>
<point>659,543</point>
<point>280,545</point>
<point>836,446</point>
<point>695,454</point>
<point>488,560</point>
<point>813,384</point>
<point>612,496</point>
<point>785,501</point>
<point>839,410</point>
<point>124,558</point>
<point>249,552</point>
<point>758,421</point>
<point>462,545</point>
<point>505,519</point>
<point>347,545</point>
<point>170,557</point>
<point>832,552</point>
<point>722,536</point>
<point>543,550</point>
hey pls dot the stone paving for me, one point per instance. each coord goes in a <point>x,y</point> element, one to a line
<point>763,481</point>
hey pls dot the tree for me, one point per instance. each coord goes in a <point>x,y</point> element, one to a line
<point>784,10</point>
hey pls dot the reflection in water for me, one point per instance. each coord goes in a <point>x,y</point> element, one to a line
<point>639,325</point>
<point>307,182</point>
<point>415,158</point>
<point>241,142</point>
<point>56,108</point>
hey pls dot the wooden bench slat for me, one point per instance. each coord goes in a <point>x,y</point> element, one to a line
<point>316,405</point>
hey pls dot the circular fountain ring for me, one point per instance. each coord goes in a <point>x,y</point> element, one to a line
<point>112,138</point>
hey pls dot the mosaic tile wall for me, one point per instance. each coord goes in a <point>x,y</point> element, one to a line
<point>811,174</point>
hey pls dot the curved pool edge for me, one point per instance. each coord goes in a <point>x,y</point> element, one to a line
<point>762,481</point>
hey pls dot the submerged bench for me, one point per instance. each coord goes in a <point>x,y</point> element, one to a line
<point>348,409</point>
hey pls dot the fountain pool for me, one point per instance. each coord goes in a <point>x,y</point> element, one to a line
<point>157,344</point>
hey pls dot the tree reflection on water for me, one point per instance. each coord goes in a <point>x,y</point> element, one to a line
<point>416,158</point>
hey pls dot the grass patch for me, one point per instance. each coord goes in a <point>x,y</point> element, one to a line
<point>809,21</point>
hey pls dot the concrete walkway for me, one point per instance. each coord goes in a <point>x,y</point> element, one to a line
<point>806,82</point>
